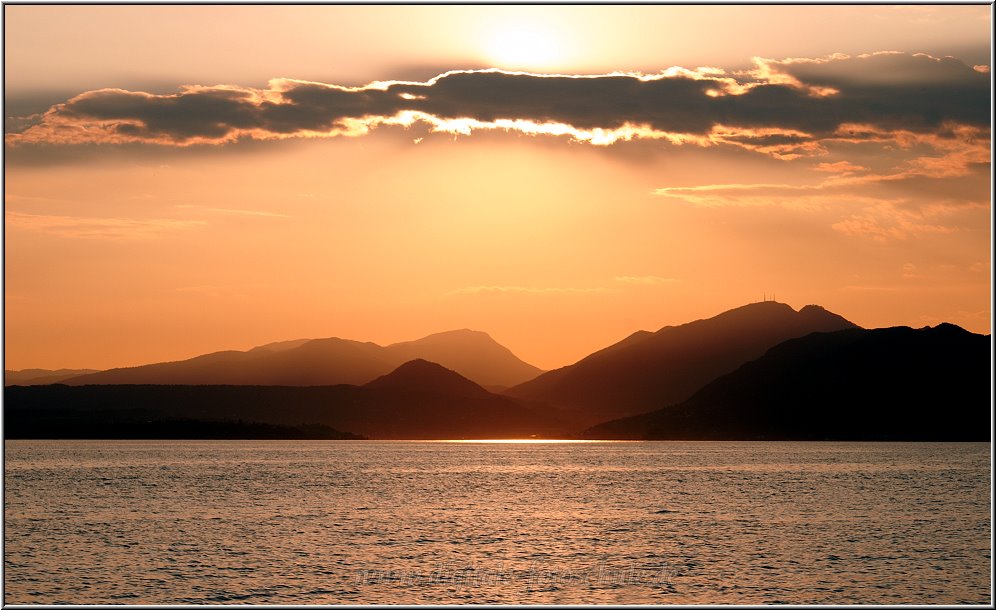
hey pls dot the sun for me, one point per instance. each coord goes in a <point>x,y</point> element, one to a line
<point>523,48</point>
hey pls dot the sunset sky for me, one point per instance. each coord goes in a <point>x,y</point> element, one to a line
<point>187,179</point>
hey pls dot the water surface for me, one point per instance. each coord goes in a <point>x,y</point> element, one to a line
<point>299,522</point>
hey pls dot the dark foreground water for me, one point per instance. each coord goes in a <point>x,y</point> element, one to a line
<point>392,522</point>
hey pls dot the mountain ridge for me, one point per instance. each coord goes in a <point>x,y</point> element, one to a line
<point>327,361</point>
<point>41,376</point>
<point>645,371</point>
<point>756,366</point>
<point>851,384</point>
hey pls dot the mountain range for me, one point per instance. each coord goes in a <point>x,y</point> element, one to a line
<point>42,376</point>
<point>330,361</point>
<point>761,371</point>
<point>648,370</point>
<point>883,384</point>
<point>418,400</point>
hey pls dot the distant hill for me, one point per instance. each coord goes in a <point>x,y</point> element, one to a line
<point>428,377</point>
<point>473,354</point>
<point>883,384</point>
<point>279,346</point>
<point>41,376</point>
<point>419,400</point>
<point>648,370</point>
<point>329,361</point>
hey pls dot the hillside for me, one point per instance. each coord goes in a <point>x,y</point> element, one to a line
<point>648,370</point>
<point>883,384</point>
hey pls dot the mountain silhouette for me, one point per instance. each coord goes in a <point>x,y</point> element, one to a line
<point>882,384</point>
<point>648,370</point>
<point>279,346</point>
<point>424,376</point>
<point>418,400</point>
<point>41,376</point>
<point>328,361</point>
<point>471,353</point>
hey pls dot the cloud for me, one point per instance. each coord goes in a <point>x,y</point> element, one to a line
<point>880,229</point>
<point>909,185</point>
<point>849,212</point>
<point>887,221</point>
<point>876,218</point>
<point>840,167</point>
<point>912,167</point>
<point>783,108</point>
<point>97,228</point>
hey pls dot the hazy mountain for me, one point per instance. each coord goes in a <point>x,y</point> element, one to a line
<point>330,361</point>
<point>471,353</point>
<point>418,400</point>
<point>648,370</point>
<point>41,376</point>
<point>279,346</point>
<point>883,384</point>
<point>316,362</point>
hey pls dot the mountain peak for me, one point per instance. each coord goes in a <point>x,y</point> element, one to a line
<point>820,316</point>
<point>949,328</point>
<point>423,376</point>
<point>644,372</point>
<point>754,310</point>
<point>812,307</point>
<point>812,315</point>
<point>460,334</point>
<point>471,353</point>
<point>768,303</point>
<point>278,346</point>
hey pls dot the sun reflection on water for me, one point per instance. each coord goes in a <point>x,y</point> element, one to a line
<point>521,440</point>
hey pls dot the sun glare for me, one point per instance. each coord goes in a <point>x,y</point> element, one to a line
<point>523,48</point>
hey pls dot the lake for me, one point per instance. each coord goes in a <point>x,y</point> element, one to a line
<point>302,522</point>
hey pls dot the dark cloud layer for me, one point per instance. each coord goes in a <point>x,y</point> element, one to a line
<point>780,104</point>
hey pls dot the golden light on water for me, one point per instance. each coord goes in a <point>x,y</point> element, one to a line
<point>521,441</point>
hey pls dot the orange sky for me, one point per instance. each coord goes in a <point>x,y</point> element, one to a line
<point>127,246</point>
